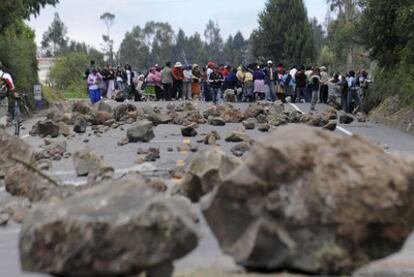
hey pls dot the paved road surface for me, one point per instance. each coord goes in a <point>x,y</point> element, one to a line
<point>207,255</point>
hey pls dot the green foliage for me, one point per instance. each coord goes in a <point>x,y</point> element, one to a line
<point>12,11</point>
<point>68,71</point>
<point>18,55</point>
<point>386,28</point>
<point>284,33</point>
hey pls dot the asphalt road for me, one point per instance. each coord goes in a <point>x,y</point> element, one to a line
<point>207,255</point>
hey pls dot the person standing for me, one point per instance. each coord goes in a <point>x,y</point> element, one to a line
<point>187,83</point>
<point>308,94</point>
<point>354,100</point>
<point>149,90</point>
<point>300,78</point>
<point>158,84</point>
<point>111,82</point>
<point>129,82</point>
<point>248,86</point>
<point>94,79</point>
<point>259,83</point>
<point>7,90</point>
<point>315,80</point>
<point>324,89</point>
<point>215,82</point>
<point>197,77</point>
<point>178,77</point>
<point>167,81</point>
<point>270,81</point>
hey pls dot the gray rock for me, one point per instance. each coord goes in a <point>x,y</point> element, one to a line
<point>331,126</point>
<point>249,124</point>
<point>206,170</point>
<point>141,132</point>
<point>124,228</point>
<point>104,107</point>
<point>240,149</point>
<point>345,118</point>
<point>189,131</point>
<point>80,125</point>
<point>211,138</point>
<point>237,136</point>
<point>217,121</point>
<point>81,107</point>
<point>48,128</point>
<point>86,162</point>
<point>282,208</point>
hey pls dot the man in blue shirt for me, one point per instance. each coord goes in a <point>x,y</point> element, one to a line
<point>353,94</point>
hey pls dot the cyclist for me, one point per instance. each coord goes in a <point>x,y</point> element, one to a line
<point>7,89</point>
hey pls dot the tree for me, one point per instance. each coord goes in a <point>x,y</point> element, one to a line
<point>18,54</point>
<point>284,33</point>
<point>159,39</point>
<point>54,39</point>
<point>108,19</point>
<point>133,49</point>
<point>12,11</point>
<point>68,71</point>
<point>318,36</point>
<point>179,51</point>
<point>214,42</point>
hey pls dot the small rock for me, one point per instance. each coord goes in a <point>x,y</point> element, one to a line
<point>249,124</point>
<point>86,140</point>
<point>48,128</point>
<point>264,127</point>
<point>237,136</point>
<point>122,142</point>
<point>345,118</point>
<point>217,121</point>
<point>211,138</point>
<point>189,131</point>
<point>240,149</point>
<point>331,126</point>
<point>80,125</point>
<point>4,218</point>
<point>141,132</point>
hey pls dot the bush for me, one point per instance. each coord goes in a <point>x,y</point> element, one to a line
<point>68,71</point>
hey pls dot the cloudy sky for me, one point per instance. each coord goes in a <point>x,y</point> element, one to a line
<point>82,16</point>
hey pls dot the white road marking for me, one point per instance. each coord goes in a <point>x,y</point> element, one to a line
<point>343,130</point>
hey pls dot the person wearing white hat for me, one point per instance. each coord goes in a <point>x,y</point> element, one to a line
<point>178,76</point>
<point>270,81</point>
<point>324,89</point>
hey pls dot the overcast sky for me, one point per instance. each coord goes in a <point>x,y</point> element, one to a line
<point>82,16</point>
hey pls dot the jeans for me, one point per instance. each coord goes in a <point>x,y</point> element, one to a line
<point>272,91</point>
<point>315,98</point>
<point>178,89</point>
<point>95,95</point>
<point>187,90</point>
<point>353,95</point>
<point>215,92</point>
<point>308,94</point>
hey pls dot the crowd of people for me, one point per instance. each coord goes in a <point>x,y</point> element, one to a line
<point>218,83</point>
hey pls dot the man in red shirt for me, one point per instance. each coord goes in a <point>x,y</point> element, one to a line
<point>178,75</point>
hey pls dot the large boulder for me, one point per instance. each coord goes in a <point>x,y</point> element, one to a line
<point>48,128</point>
<point>141,132</point>
<point>119,228</point>
<point>230,114</point>
<point>313,201</point>
<point>207,169</point>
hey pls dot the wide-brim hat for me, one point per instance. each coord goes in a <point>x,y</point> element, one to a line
<point>323,68</point>
<point>178,64</point>
<point>269,62</point>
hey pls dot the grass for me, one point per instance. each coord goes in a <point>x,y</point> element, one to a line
<point>75,95</point>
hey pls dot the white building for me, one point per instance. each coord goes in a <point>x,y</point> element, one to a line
<point>44,65</point>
